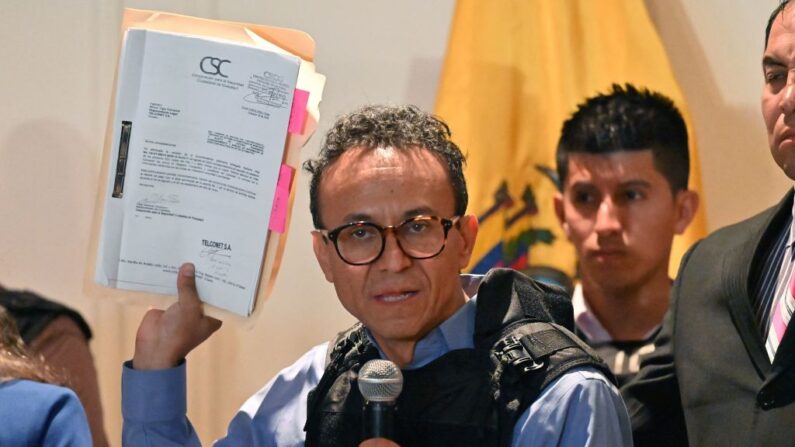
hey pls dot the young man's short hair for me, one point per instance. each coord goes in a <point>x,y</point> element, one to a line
<point>628,119</point>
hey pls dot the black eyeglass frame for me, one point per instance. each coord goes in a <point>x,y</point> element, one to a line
<point>332,235</point>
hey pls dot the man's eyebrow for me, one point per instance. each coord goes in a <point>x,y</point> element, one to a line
<point>770,61</point>
<point>414,212</point>
<point>582,184</point>
<point>422,210</point>
<point>357,217</point>
<point>636,184</point>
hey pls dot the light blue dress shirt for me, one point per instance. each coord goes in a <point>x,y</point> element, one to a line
<point>580,408</point>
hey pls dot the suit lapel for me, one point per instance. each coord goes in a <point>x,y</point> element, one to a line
<point>737,268</point>
<point>740,307</point>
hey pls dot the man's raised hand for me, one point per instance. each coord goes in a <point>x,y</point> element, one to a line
<point>164,338</point>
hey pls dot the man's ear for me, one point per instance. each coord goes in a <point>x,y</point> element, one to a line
<point>323,250</point>
<point>468,227</point>
<point>560,213</point>
<point>686,203</point>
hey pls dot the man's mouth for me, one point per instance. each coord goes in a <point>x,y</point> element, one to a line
<point>607,253</point>
<point>787,136</point>
<point>395,297</point>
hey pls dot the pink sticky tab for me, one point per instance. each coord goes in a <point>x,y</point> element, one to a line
<point>281,199</point>
<point>298,111</point>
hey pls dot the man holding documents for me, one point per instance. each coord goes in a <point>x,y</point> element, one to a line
<point>485,360</point>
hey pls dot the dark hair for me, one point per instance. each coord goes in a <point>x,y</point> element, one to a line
<point>400,127</point>
<point>628,119</point>
<point>781,5</point>
<point>15,360</point>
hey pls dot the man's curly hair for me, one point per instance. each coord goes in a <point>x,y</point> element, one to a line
<point>400,127</point>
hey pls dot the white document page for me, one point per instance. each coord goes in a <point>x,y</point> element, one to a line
<point>199,133</point>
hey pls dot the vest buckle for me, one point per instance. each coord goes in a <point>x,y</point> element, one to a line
<point>510,351</point>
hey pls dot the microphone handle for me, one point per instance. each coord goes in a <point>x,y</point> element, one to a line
<point>379,420</point>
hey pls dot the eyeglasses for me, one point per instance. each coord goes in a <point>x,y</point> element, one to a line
<point>361,243</point>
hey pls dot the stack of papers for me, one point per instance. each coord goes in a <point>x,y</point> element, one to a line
<point>197,146</point>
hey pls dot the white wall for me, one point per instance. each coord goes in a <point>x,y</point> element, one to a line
<point>58,59</point>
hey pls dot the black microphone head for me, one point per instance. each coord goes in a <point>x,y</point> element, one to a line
<point>380,381</point>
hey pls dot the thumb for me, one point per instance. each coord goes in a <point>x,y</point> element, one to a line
<point>186,286</point>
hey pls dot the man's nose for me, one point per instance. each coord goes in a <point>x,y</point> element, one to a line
<point>393,258</point>
<point>787,101</point>
<point>607,218</point>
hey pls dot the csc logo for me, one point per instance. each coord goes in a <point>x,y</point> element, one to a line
<point>212,66</point>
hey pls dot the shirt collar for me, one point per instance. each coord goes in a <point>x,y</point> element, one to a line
<point>454,333</point>
<point>587,322</point>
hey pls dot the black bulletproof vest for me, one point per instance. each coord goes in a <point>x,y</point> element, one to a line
<point>467,397</point>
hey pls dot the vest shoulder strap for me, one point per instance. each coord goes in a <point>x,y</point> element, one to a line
<point>526,358</point>
<point>348,349</point>
<point>344,341</point>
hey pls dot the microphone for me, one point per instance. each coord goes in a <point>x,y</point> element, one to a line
<point>380,382</point>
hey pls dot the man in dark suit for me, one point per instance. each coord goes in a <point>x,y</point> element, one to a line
<point>723,372</point>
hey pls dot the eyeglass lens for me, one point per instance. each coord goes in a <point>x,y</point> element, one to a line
<point>419,238</point>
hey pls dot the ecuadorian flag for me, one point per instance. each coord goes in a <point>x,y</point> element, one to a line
<point>514,71</point>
